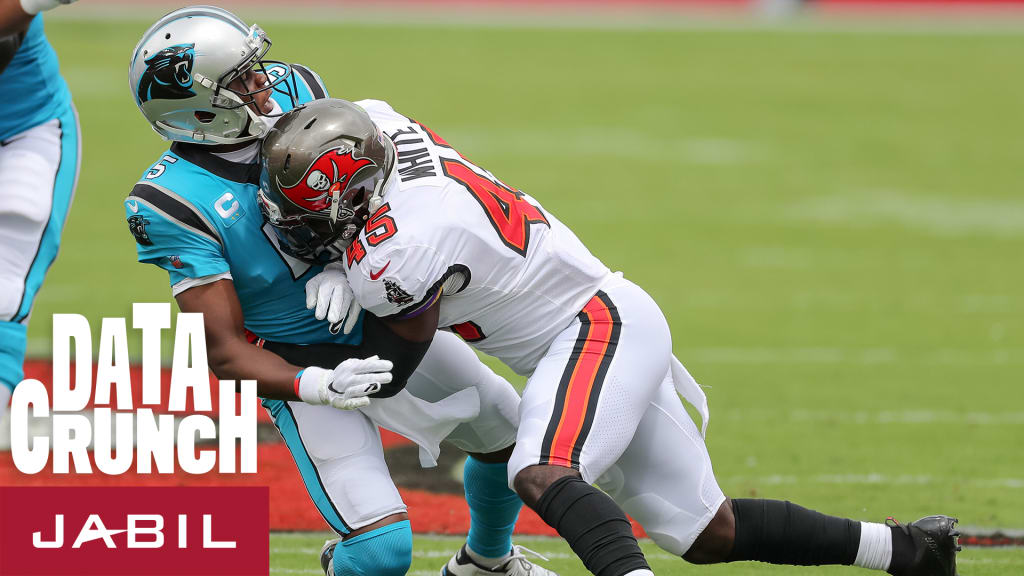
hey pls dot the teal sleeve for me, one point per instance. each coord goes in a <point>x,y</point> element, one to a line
<point>183,253</point>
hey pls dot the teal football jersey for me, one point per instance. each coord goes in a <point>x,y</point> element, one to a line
<point>196,215</point>
<point>33,85</point>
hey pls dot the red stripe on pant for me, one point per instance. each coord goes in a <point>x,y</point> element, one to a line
<point>580,385</point>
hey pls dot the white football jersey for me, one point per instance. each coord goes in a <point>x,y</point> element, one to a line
<point>508,274</point>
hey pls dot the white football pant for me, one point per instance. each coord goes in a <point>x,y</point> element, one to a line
<point>339,453</point>
<point>603,401</point>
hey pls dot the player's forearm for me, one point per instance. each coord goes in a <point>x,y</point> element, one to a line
<point>275,378</point>
<point>378,340</point>
<point>16,15</point>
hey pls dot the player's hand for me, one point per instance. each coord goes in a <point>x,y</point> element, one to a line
<point>329,293</point>
<point>34,7</point>
<point>348,386</point>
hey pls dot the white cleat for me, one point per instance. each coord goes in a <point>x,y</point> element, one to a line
<point>515,565</point>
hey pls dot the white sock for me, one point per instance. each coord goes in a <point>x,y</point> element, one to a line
<point>875,549</point>
<point>640,573</point>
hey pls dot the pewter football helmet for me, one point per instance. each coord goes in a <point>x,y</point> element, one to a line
<point>324,169</point>
<point>180,71</point>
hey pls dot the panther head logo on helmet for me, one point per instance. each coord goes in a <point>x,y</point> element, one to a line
<point>168,74</point>
<point>333,171</point>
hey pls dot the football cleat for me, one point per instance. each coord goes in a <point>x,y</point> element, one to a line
<point>935,545</point>
<point>327,556</point>
<point>515,565</point>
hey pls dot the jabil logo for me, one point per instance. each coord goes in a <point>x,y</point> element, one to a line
<point>142,531</point>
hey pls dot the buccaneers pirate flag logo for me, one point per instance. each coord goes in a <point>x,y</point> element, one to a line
<point>333,171</point>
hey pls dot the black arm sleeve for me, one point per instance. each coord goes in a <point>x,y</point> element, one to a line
<point>378,340</point>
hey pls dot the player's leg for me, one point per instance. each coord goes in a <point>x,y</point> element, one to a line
<point>664,479</point>
<point>349,482</point>
<point>578,414</point>
<point>378,551</point>
<point>666,482</point>
<point>38,172</point>
<point>449,366</point>
<point>779,532</point>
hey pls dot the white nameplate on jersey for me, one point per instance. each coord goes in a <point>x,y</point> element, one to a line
<point>155,434</point>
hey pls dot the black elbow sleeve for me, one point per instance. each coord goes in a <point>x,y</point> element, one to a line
<point>405,355</point>
<point>378,340</point>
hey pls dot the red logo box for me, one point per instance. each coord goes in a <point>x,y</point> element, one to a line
<point>121,531</point>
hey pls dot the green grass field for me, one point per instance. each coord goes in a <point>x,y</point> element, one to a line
<point>832,222</point>
<point>296,553</point>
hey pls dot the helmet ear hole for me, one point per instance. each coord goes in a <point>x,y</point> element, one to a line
<point>204,116</point>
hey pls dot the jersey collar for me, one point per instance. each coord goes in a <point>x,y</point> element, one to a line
<point>195,153</point>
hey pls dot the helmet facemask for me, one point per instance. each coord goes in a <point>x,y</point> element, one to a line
<point>228,98</point>
<point>317,238</point>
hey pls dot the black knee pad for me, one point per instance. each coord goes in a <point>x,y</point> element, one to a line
<point>595,527</point>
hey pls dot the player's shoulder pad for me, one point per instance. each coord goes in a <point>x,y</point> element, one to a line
<point>399,279</point>
<point>381,111</point>
<point>312,81</point>
<point>185,169</point>
<point>149,199</point>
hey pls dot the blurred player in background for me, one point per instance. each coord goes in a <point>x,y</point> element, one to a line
<point>780,8</point>
<point>200,78</point>
<point>442,242</point>
<point>40,146</point>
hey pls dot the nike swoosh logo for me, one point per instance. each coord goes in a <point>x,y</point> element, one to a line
<point>133,206</point>
<point>374,276</point>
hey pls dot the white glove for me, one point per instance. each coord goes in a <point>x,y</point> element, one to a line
<point>347,386</point>
<point>34,7</point>
<point>330,293</point>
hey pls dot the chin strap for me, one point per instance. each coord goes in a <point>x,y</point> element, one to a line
<point>335,203</point>
<point>179,134</point>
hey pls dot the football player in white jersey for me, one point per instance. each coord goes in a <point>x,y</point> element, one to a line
<point>432,240</point>
<point>201,79</point>
<point>40,147</point>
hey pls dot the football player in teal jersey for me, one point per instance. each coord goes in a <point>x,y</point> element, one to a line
<point>200,77</point>
<point>39,160</point>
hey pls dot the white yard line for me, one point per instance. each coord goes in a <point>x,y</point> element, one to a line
<point>765,355</point>
<point>921,212</point>
<point>873,478</point>
<point>874,418</point>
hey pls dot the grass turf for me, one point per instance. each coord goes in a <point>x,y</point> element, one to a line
<point>831,221</point>
<point>298,553</point>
